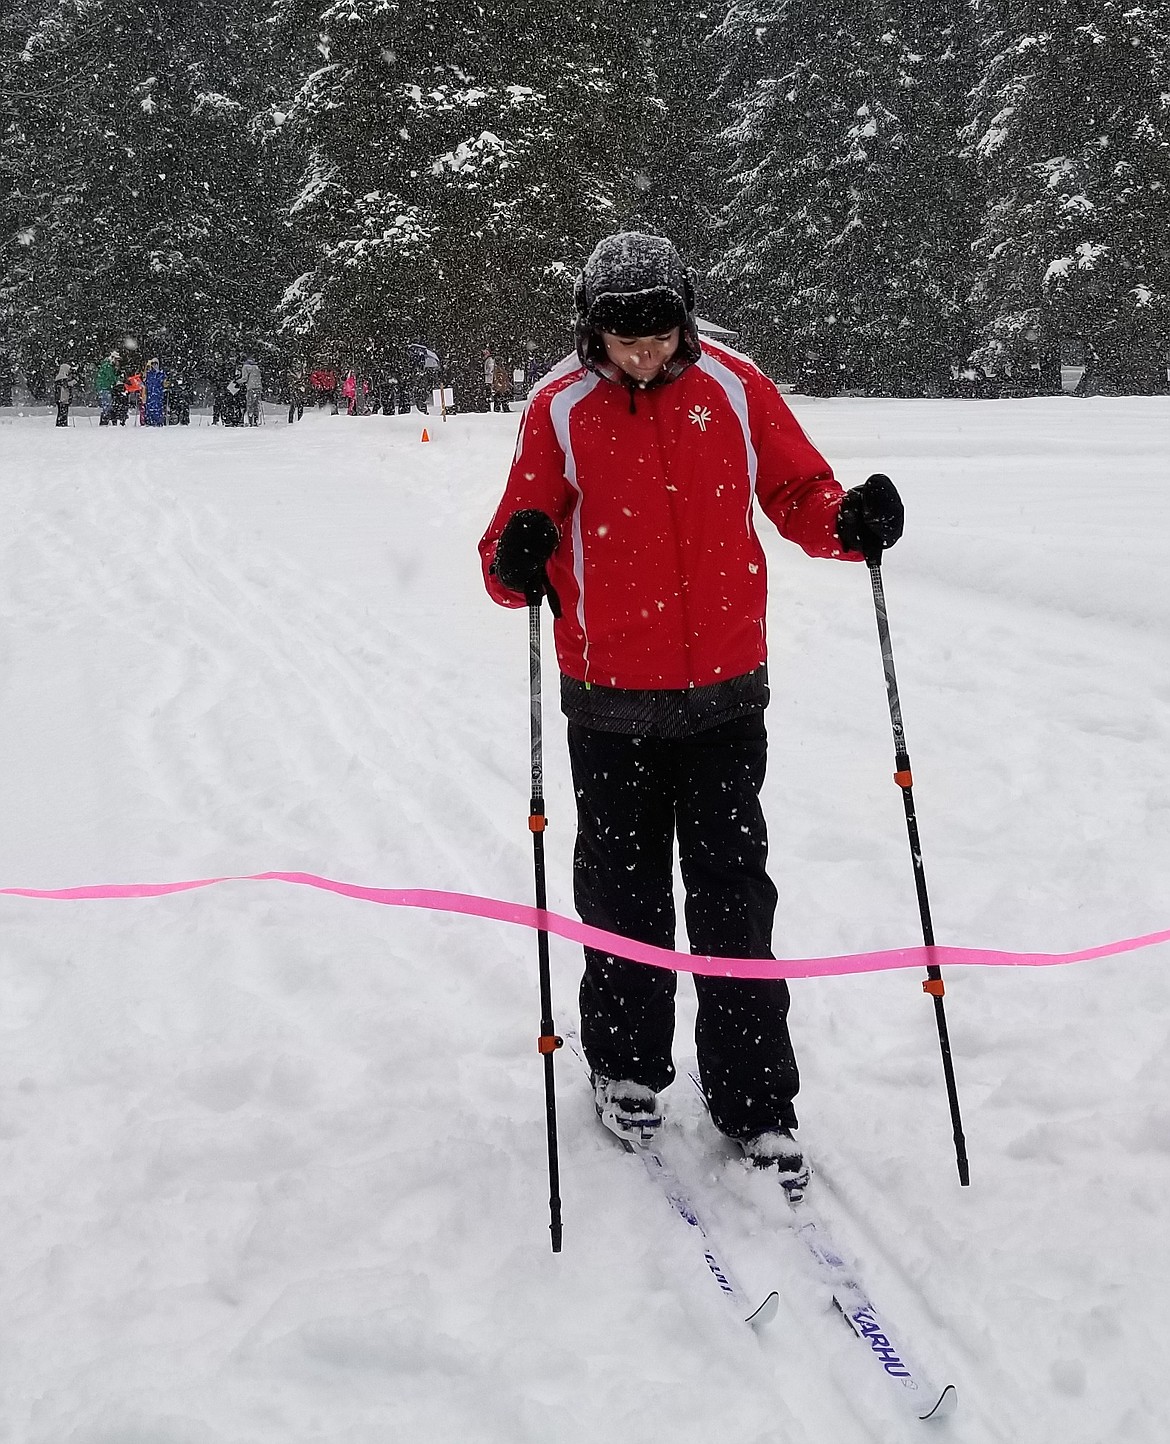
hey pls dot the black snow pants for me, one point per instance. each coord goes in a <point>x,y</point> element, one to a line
<point>635,795</point>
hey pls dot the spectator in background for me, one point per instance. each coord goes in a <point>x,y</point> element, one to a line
<point>154,399</point>
<point>295,381</point>
<point>383,391</point>
<point>133,393</point>
<point>119,403</point>
<point>233,399</point>
<point>104,382</point>
<point>220,377</point>
<point>323,380</point>
<point>501,386</point>
<point>428,369</point>
<point>537,365</point>
<point>389,394</point>
<point>489,376</point>
<point>64,385</point>
<point>178,402</point>
<point>253,390</point>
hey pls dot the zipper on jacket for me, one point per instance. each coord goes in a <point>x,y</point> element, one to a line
<point>680,571</point>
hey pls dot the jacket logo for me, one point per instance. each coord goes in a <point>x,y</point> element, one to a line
<point>700,416</point>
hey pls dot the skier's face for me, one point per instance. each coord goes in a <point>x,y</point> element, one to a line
<point>641,357</point>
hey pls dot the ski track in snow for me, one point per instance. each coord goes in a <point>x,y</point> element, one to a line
<point>275,1160</point>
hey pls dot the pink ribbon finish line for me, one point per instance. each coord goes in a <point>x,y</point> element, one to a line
<point>577,932</point>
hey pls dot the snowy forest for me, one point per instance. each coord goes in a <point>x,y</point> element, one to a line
<point>878,197</point>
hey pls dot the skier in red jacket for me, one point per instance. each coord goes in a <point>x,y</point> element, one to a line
<point>630,504</point>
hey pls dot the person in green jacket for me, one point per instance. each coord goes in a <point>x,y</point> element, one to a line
<point>104,383</point>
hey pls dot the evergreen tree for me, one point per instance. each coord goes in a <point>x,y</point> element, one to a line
<point>1071,128</point>
<point>848,209</point>
<point>139,183</point>
<point>20,94</point>
<point>675,196</point>
<point>459,163</point>
<point>915,201</point>
<point>755,49</point>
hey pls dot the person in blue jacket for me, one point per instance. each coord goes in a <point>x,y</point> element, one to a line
<point>155,381</point>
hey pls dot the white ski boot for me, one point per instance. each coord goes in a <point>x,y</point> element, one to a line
<point>778,1151</point>
<point>630,1110</point>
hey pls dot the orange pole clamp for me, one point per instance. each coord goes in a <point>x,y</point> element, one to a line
<point>549,1043</point>
<point>537,822</point>
<point>904,779</point>
<point>933,986</point>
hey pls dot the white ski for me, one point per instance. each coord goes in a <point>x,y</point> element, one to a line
<point>680,1201</point>
<point>924,1399</point>
<point>678,1198</point>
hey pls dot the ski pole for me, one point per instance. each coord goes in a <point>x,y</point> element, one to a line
<point>933,982</point>
<point>548,1042</point>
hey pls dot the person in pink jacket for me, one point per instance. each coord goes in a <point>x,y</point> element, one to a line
<point>641,462</point>
<point>350,391</point>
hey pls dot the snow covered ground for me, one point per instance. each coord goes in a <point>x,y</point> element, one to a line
<point>274,1161</point>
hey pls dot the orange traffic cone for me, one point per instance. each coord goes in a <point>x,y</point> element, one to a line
<point>425,435</point>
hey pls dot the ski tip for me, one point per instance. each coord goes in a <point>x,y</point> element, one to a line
<point>944,1406</point>
<point>764,1315</point>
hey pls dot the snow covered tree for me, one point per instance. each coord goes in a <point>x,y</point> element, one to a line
<point>676,196</point>
<point>459,162</point>
<point>848,208</point>
<point>353,216</point>
<point>1070,124</point>
<point>138,186</point>
<point>768,248</point>
<point>915,198</point>
<point>20,97</point>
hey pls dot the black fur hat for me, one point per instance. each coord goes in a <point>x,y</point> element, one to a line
<point>634,285</point>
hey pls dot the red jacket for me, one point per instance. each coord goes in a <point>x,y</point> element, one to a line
<point>660,573</point>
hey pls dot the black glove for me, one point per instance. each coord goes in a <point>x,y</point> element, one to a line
<point>528,540</point>
<point>870,517</point>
